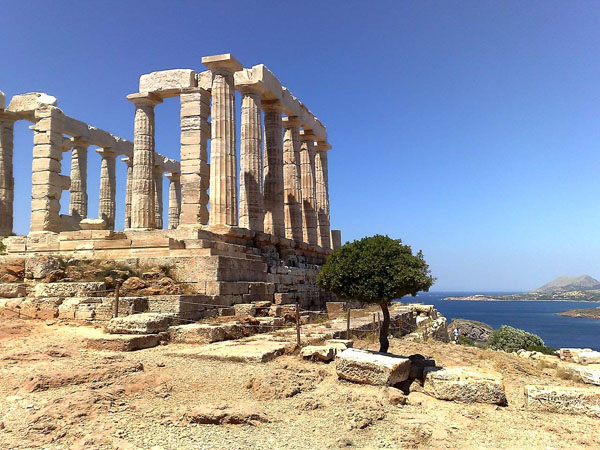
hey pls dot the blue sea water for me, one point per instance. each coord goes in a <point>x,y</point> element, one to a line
<point>537,317</point>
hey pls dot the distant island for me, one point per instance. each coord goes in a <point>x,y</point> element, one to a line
<point>582,288</point>
<point>590,313</point>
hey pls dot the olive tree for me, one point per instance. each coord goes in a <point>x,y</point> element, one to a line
<point>376,270</point>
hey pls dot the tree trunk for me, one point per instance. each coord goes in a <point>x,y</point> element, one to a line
<point>384,343</point>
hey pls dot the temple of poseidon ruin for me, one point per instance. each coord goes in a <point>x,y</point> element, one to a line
<point>260,235</point>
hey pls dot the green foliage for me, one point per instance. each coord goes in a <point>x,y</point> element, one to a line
<point>511,339</point>
<point>375,269</point>
<point>541,349</point>
<point>2,248</point>
<point>463,340</point>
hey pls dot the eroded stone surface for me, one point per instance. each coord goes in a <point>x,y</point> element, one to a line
<point>464,384</point>
<point>369,367</point>
<point>144,323</point>
<point>562,399</point>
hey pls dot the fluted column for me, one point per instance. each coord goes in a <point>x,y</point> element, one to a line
<point>292,193</point>
<point>174,200</point>
<point>195,172</point>
<point>336,239</point>
<point>307,179</point>
<point>142,200</point>
<point>223,172</point>
<point>7,182</point>
<point>251,195</point>
<point>273,170</point>
<point>78,204</point>
<point>127,160</point>
<point>322,193</point>
<point>108,186</point>
<point>158,197</point>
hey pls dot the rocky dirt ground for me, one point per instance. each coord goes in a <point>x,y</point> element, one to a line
<point>56,394</point>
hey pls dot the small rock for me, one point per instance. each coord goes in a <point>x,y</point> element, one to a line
<point>133,284</point>
<point>396,396</point>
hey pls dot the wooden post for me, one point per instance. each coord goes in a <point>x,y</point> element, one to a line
<point>298,324</point>
<point>348,325</point>
<point>116,303</point>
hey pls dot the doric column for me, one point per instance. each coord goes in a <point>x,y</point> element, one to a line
<point>78,204</point>
<point>292,193</point>
<point>336,239</point>
<point>108,188</point>
<point>158,197</point>
<point>128,185</point>
<point>142,197</point>
<point>223,172</point>
<point>273,169</point>
<point>322,193</point>
<point>251,196</point>
<point>174,200</point>
<point>47,182</point>
<point>195,173</point>
<point>307,180</point>
<point>7,182</point>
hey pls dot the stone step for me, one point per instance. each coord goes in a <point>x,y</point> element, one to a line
<point>144,323</point>
<point>257,350</point>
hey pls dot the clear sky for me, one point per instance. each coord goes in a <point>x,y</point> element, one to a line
<point>470,129</point>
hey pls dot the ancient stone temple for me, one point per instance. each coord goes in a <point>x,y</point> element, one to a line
<point>232,234</point>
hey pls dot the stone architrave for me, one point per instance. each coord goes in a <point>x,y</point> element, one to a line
<point>47,182</point>
<point>307,179</point>
<point>292,192</point>
<point>143,215</point>
<point>273,170</point>
<point>78,203</point>
<point>195,172</point>
<point>127,160</point>
<point>223,172</point>
<point>322,195</point>
<point>174,200</point>
<point>108,186</point>
<point>7,182</point>
<point>251,195</point>
<point>158,197</point>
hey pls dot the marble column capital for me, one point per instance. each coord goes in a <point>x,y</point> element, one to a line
<point>78,142</point>
<point>322,146</point>
<point>225,62</point>
<point>144,98</point>
<point>250,89</point>
<point>307,136</point>
<point>106,153</point>
<point>173,176</point>
<point>290,122</point>
<point>271,105</point>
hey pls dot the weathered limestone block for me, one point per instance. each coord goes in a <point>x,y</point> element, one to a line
<point>369,367</point>
<point>29,103</point>
<point>195,171</point>
<point>245,309</point>
<point>12,290</point>
<point>196,333</point>
<point>39,267</point>
<point>318,352</point>
<point>464,384</point>
<point>223,172</point>
<point>144,323</point>
<point>72,289</point>
<point>123,343</point>
<point>93,224</point>
<point>562,399</point>
<point>168,83</point>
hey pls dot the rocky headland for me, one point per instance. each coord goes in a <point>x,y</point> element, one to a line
<point>590,313</point>
<point>583,288</point>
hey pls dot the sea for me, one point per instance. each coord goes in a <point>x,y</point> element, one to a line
<point>537,317</point>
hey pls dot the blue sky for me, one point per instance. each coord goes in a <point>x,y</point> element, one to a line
<point>470,129</point>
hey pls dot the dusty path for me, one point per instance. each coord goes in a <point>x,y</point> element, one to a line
<point>56,394</point>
